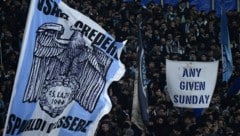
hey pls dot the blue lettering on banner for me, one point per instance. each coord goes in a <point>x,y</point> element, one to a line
<point>51,8</point>
<point>191,72</point>
<point>197,86</point>
<point>105,42</point>
<point>191,99</point>
<point>16,125</point>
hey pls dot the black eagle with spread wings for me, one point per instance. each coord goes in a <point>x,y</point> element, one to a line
<point>64,70</point>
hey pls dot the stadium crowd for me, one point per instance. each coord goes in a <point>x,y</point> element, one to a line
<point>169,32</point>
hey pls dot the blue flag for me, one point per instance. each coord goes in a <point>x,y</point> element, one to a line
<point>171,2</point>
<point>235,87</point>
<point>140,99</point>
<point>128,0</point>
<point>229,5</point>
<point>66,65</point>
<point>227,64</point>
<point>201,5</point>
<point>142,82</point>
<point>145,2</point>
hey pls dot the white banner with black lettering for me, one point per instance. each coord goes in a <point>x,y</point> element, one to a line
<point>66,65</point>
<point>191,84</point>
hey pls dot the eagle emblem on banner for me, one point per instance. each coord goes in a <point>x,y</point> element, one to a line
<point>65,70</point>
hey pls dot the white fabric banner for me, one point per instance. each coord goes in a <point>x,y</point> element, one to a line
<point>66,65</point>
<point>191,84</point>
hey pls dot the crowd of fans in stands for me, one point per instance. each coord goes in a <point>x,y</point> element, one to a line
<point>169,32</point>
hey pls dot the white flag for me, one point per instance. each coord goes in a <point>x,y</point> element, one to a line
<point>66,65</point>
<point>191,84</point>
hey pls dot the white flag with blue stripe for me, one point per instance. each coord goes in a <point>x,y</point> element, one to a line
<point>66,65</point>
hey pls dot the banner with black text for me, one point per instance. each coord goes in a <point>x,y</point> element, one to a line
<point>66,65</point>
<point>191,84</point>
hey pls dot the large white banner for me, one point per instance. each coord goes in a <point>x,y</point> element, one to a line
<point>66,65</point>
<point>191,84</point>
